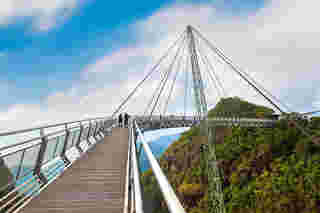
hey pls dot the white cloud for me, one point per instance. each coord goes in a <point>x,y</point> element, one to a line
<point>44,13</point>
<point>278,45</point>
<point>281,54</point>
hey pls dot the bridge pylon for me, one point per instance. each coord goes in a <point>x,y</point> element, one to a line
<point>216,200</point>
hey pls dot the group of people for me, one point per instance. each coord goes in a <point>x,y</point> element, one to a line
<point>123,120</point>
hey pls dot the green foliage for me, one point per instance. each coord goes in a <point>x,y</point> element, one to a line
<point>190,190</point>
<point>274,170</point>
<point>279,173</point>
<point>185,175</point>
<point>196,171</point>
<point>237,106</point>
<point>315,123</point>
<point>194,131</point>
<point>270,170</point>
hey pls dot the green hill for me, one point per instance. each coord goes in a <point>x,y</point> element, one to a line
<point>264,171</point>
<point>181,164</point>
<point>237,106</point>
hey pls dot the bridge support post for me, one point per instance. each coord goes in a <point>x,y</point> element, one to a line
<point>88,135</point>
<point>100,129</point>
<point>41,153</point>
<point>101,134</point>
<point>65,144</point>
<point>79,139</point>
<point>95,130</point>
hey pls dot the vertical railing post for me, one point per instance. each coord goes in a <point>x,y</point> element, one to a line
<point>100,130</point>
<point>20,164</point>
<point>79,139</point>
<point>88,135</point>
<point>73,138</point>
<point>41,153</point>
<point>65,144</point>
<point>104,125</point>
<point>95,130</point>
<point>56,147</point>
<point>94,126</point>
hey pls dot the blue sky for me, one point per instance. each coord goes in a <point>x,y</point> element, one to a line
<point>48,50</point>
<point>37,63</point>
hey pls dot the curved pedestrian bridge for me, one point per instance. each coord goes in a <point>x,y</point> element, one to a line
<point>103,176</point>
<point>95,183</point>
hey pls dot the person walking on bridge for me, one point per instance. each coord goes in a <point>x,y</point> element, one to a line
<point>120,120</point>
<point>126,119</point>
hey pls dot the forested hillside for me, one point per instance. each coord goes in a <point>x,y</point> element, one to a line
<point>265,170</point>
<point>238,107</point>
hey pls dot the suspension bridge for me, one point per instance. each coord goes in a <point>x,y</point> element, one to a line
<point>92,164</point>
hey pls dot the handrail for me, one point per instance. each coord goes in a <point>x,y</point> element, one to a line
<point>156,117</point>
<point>136,175</point>
<point>42,146</point>
<point>35,138</point>
<point>169,195</point>
<point>192,118</point>
<point>127,182</point>
<point>50,126</point>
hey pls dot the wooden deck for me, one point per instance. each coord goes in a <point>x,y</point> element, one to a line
<point>94,184</point>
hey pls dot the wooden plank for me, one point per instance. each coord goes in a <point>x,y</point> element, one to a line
<point>94,183</point>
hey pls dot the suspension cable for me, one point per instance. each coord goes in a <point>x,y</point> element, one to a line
<point>213,74</point>
<point>212,86</point>
<point>156,91</point>
<point>258,85</point>
<point>148,75</point>
<point>266,91</point>
<point>170,70</point>
<point>136,97</point>
<point>174,81</point>
<point>235,68</point>
<point>208,71</point>
<point>186,86</point>
<point>162,84</point>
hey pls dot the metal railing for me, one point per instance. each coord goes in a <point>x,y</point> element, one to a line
<point>25,154</point>
<point>133,197</point>
<point>168,193</point>
<point>138,205</point>
<point>170,117</point>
